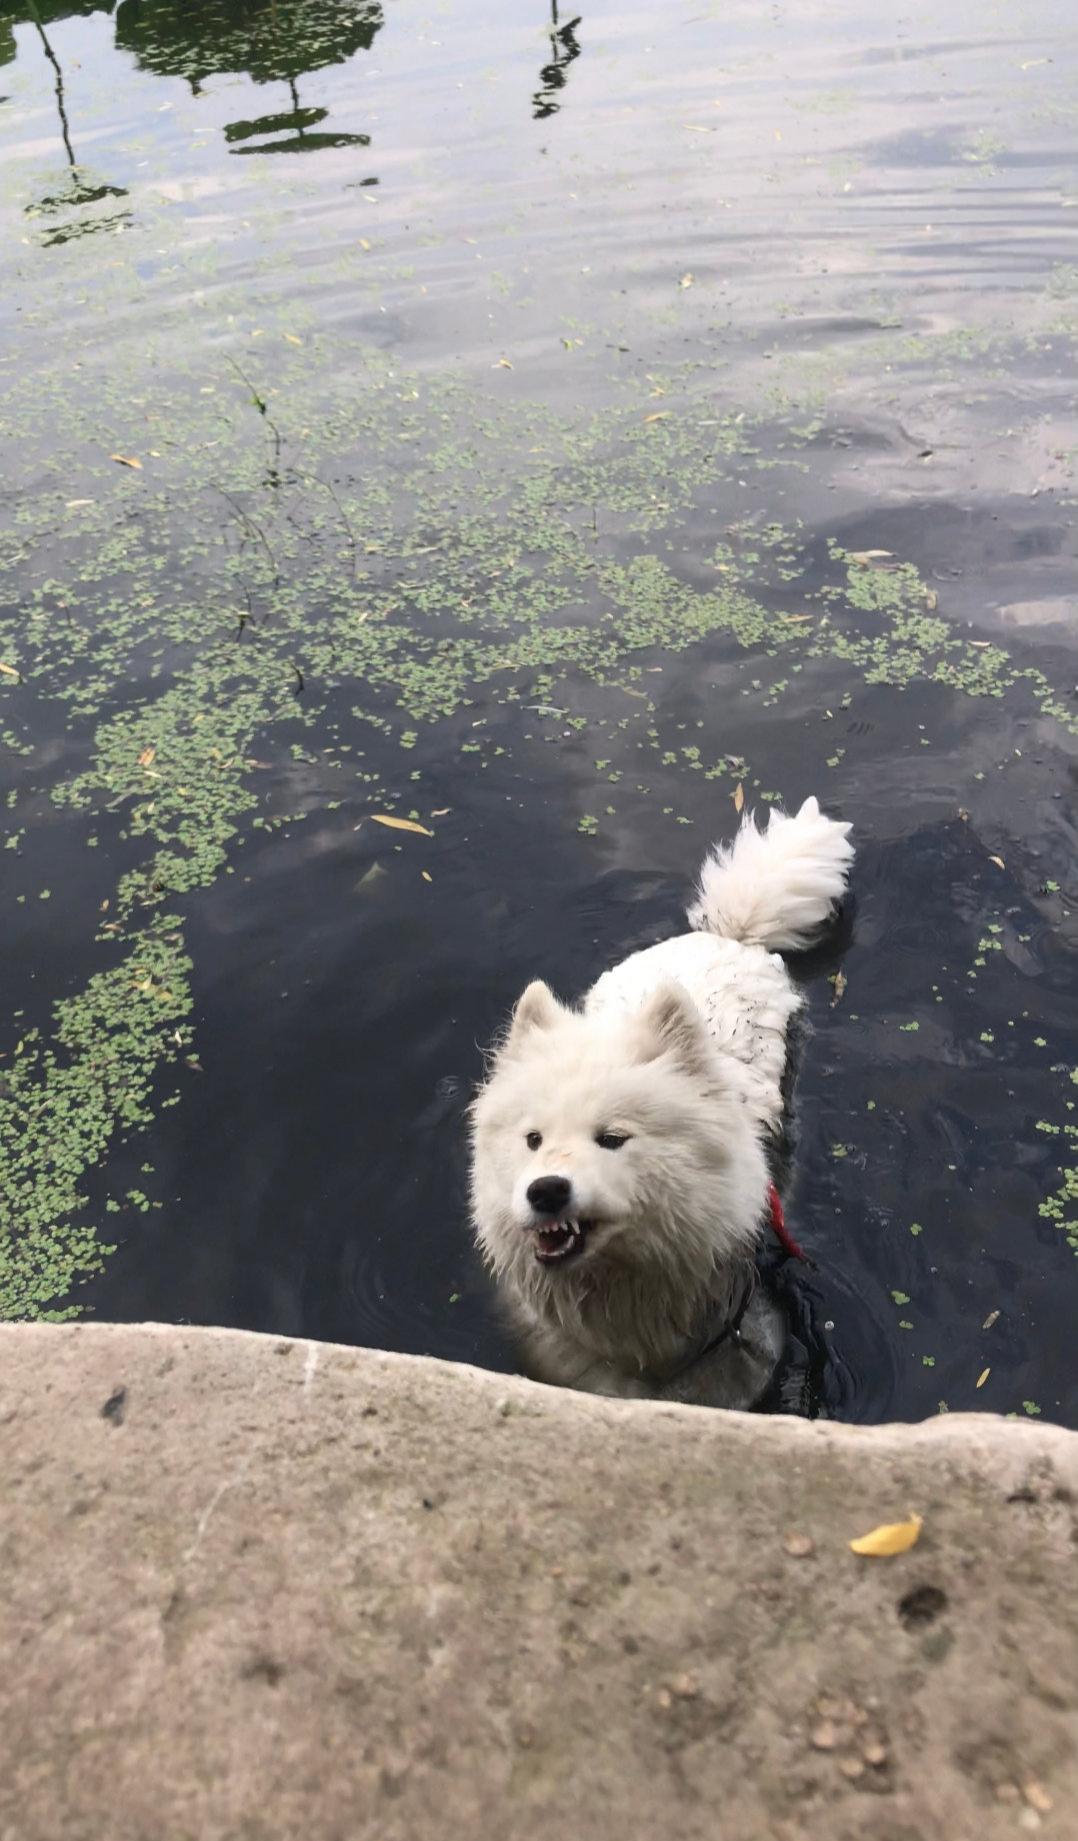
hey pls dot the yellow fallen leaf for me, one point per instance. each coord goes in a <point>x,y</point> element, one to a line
<point>891,1537</point>
<point>657,415</point>
<point>931,600</point>
<point>127,460</point>
<point>992,1317</point>
<point>983,1376</point>
<point>291,337</point>
<point>401,824</point>
<point>793,619</point>
<point>147,757</point>
<point>738,796</point>
<point>73,504</point>
<point>426,875</point>
<point>840,986</point>
<point>363,243</point>
<point>9,671</point>
<point>867,557</point>
<point>442,812</point>
<point>1000,864</point>
<point>504,364</point>
<point>686,281</point>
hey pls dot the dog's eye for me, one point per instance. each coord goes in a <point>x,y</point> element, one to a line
<point>533,1140</point>
<point>611,1140</point>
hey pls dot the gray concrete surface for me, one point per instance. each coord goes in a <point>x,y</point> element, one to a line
<point>260,1589</point>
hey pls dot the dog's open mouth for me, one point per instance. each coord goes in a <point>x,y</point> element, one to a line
<point>560,1240</point>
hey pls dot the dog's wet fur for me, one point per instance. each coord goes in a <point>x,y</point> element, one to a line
<point>622,1151</point>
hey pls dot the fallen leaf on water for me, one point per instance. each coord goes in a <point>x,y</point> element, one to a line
<point>147,757</point>
<point>127,460</point>
<point>73,504</point>
<point>931,600</point>
<point>401,824</point>
<point>363,243</point>
<point>738,796</point>
<point>998,861</point>
<point>992,1317</point>
<point>867,557</point>
<point>840,986</point>
<point>291,337</point>
<point>983,1376</point>
<point>793,619</point>
<point>890,1537</point>
<point>504,364</point>
<point>657,415</point>
<point>9,671</point>
<point>426,875</point>
<point>686,281</point>
<point>442,812</point>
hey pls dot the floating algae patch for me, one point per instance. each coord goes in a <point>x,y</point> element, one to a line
<point>65,1100</point>
<point>1061,1206</point>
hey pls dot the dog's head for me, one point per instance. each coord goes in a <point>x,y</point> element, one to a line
<point>611,1138</point>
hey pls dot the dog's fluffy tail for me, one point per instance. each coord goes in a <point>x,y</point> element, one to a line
<point>778,887</point>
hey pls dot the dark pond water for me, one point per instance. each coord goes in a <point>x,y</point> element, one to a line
<point>533,426</point>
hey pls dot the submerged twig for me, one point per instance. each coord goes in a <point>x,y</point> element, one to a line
<point>253,526</point>
<point>263,410</point>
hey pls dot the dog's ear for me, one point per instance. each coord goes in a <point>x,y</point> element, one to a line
<point>537,1008</point>
<point>670,1024</point>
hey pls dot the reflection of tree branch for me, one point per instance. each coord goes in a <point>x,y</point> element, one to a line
<point>564,50</point>
<point>78,190</point>
<point>55,62</point>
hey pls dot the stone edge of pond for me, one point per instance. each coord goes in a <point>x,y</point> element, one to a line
<point>267,1587</point>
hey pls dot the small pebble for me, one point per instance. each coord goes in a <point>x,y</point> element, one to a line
<point>874,1752</point>
<point>824,1737</point>
<point>1037,1796</point>
<point>799,1546</point>
<point>686,1687</point>
<point>852,1767</point>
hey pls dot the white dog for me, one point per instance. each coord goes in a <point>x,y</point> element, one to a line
<point>620,1173</point>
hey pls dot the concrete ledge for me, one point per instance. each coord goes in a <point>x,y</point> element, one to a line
<point>253,1588</point>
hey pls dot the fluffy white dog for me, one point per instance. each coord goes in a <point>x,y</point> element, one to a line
<point>620,1152</point>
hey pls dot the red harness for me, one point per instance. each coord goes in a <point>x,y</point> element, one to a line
<point>778,1222</point>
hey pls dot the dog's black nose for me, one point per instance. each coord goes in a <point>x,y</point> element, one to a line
<point>548,1195</point>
